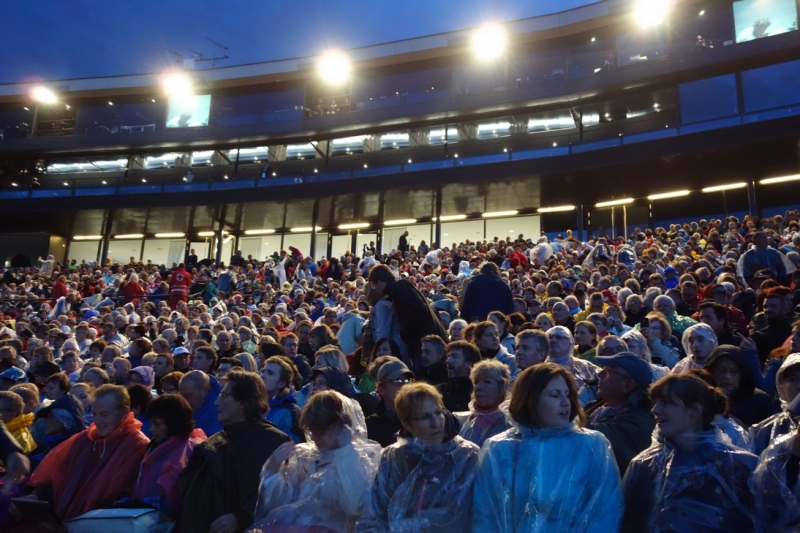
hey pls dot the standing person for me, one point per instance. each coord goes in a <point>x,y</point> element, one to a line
<point>179,286</point>
<point>576,487</point>
<point>402,246</point>
<point>414,313</point>
<point>485,293</point>
<point>220,482</point>
<point>657,495</point>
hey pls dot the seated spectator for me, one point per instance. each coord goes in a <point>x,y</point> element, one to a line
<point>424,483</point>
<point>432,357</point>
<point>487,339</point>
<point>278,375</point>
<point>585,341</point>
<point>787,421</point>
<point>170,383</point>
<point>664,347</point>
<point>622,411</point>
<point>733,371</point>
<point>531,350</point>
<point>140,400</point>
<point>569,464</point>
<point>202,391</point>
<point>97,466</point>
<point>391,376</point>
<point>84,393</point>
<point>560,349</point>
<point>12,413</point>
<point>457,390</point>
<point>173,439</point>
<point>220,482</point>
<point>226,365</point>
<point>699,342</point>
<point>719,499</point>
<point>490,383</point>
<point>323,483</point>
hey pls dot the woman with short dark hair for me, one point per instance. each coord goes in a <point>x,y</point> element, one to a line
<point>173,439</point>
<point>548,474</point>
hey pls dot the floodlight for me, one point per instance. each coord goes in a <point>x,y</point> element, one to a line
<point>782,179</point>
<point>175,235</point>
<point>665,195</point>
<point>130,236</point>
<point>729,186</point>
<point>612,203</point>
<point>259,232</point>
<point>177,85</point>
<point>43,95</point>
<point>556,209</point>
<point>489,42</point>
<point>355,225</point>
<point>334,67</point>
<point>400,222</point>
<point>495,214</point>
<point>651,12</point>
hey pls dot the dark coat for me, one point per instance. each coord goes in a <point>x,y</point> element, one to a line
<point>383,426</point>
<point>415,315</point>
<point>486,293</point>
<point>629,429</point>
<point>435,374</point>
<point>224,473</point>
<point>456,394</point>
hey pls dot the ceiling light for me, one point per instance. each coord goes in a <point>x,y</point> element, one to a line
<point>489,42</point>
<point>493,214</point>
<point>259,231</point>
<point>702,12</point>
<point>611,203</point>
<point>665,195</point>
<point>651,12</point>
<point>334,67</point>
<point>556,209</point>
<point>594,39</point>
<point>400,222</point>
<point>87,237</point>
<point>130,236</point>
<point>304,230</point>
<point>782,179</point>
<point>14,184</point>
<point>719,188</point>
<point>177,85</point>
<point>175,235</point>
<point>452,217</point>
<point>43,95</point>
<point>205,233</point>
<point>110,103</point>
<point>354,225</point>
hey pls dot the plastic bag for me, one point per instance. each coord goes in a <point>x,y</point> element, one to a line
<point>776,504</point>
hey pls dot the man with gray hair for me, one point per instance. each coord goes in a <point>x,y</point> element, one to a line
<point>561,345</point>
<point>679,323</point>
<point>531,349</point>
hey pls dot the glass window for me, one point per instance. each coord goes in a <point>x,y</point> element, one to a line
<point>708,99</point>
<point>479,77</point>
<point>642,45</point>
<point>395,141</point>
<point>300,151</point>
<point>772,86</point>
<point>15,122</point>
<point>399,89</point>
<point>348,145</point>
<point>105,119</point>
<point>255,108</point>
<point>594,56</point>
<point>540,68</point>
<point>697,29</point>
<point>441,136</point>
<point>84,165</point>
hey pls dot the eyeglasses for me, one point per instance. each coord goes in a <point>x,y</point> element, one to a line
<point>399,381</point>
<point>611,350</point>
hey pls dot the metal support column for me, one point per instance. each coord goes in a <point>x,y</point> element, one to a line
<point>220,236</point>
<point>579,215</point>
<point>106,237</point>
<point>314,216</point>
<point>438,232</point>
<point>752,205</point>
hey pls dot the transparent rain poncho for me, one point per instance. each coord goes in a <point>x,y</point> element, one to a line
<point>319,491</point>
<point>701,486</point>
<point>477,426</point>
<point>547,480</point>
<point>422,487</point>
<point>777,503</point>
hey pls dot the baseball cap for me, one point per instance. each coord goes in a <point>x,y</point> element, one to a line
<point>14,374</point>
<point>180,351</point>
<point>637,367</point>
<point>393,370</point>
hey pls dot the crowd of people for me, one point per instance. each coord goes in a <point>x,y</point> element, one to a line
<point>648,383</point>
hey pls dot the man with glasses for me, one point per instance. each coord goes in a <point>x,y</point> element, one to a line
<point>383,425</point>
<point>560,348</point>
<point>622,410</point>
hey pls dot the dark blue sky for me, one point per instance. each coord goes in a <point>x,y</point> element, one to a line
<point>55,39</point>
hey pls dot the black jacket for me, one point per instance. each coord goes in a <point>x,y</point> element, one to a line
<point>415,315</point>
<point>435,374</point>
<point>456,393</point>
<point>486,293</point>
<point>224,473</point>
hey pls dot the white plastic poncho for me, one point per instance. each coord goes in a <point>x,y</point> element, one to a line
<point>777,505</point>
<point>547,480</point>
<point>478,426</point>
<point>314,489</point>
<point>422,488</point>
<point>698,488</point>
<point>541,253</point>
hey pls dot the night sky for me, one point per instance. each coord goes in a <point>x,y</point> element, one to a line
<point>57,39</point>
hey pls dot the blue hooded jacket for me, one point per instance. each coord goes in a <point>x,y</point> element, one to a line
<point>205,418</point>
<point>285,415</point>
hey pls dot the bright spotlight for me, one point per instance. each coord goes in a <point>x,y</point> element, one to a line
<point>489,42</point>
<point>177,85</point>
<point>651,12</point>
<point>334,67</point>
<point>43,95</point>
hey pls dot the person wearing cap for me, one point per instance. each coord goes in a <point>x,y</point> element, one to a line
<point>181,358</point>
<point>17,422</point>
<point>12,376</point>
<point>383,424</point>
<point>622,410</point>
<point>60,420</point>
